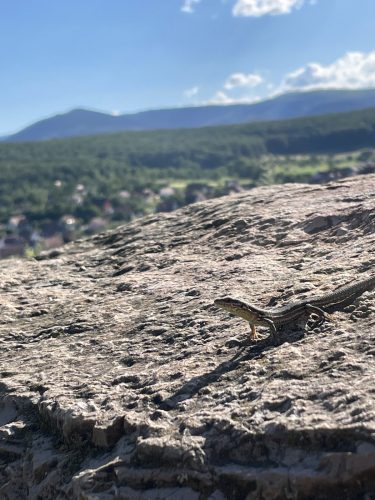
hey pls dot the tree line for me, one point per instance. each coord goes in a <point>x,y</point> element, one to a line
<point>40,179</point>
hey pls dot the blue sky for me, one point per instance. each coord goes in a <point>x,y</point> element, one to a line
<point>130,55</point>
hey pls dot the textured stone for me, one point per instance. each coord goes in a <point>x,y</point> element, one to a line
<point>120,379</point>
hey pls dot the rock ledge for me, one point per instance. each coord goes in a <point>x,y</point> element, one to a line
<point>120,379</point>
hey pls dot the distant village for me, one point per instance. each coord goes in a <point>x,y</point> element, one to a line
<point>22,237</point>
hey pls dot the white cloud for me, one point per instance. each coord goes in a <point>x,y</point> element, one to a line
<point>235,89</point>
<point>242,80</point>
<point>354,70</point>
<point>258,8</point>
<point>188,6</point>
<point>222,98</point>
<point>189,93</point>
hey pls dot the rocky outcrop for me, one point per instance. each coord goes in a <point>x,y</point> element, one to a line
<point>120,379</point>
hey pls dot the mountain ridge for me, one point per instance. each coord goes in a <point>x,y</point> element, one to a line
<point>83,122</point>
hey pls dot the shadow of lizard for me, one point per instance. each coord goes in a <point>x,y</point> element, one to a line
<point>195,384</point>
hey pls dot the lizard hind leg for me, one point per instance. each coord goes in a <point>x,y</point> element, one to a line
<point>272,327</point>
<point>322,315</point>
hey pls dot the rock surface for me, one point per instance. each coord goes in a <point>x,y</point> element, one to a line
<point>120,379</point>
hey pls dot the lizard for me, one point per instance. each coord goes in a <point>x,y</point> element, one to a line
<point>278,316</point>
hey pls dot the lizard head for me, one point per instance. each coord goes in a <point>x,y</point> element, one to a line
<point>238,308</point>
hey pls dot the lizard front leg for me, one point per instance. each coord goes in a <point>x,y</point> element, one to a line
<point>253,332</point>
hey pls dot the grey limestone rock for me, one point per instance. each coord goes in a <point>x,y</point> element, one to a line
<point>120,379</point>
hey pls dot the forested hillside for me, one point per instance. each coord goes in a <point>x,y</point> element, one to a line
<point>120,176</point>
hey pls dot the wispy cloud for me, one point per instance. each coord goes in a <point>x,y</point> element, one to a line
<point>242,80</point>
<point>258,8</point>
<point>354,70</point>
<point>221,97</point>
<point>237,89</point>
<point>189,93</point>
<point>189,6</point>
